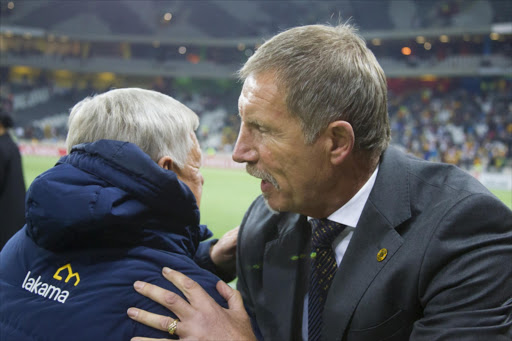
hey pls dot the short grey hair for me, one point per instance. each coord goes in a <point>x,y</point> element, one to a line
<point>158,124</point>
<point>328,74</point>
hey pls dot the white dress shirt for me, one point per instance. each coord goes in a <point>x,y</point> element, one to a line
<point>348,215</point>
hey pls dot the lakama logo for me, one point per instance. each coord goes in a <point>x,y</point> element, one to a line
<point>36,286</point>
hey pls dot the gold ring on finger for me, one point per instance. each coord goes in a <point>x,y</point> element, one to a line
<point>173,326</point>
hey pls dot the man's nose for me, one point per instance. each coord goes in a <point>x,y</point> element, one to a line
<point>245,150</point>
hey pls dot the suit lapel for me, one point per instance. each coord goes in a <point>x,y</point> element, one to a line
<point>387,207</point>
<point>357,271</point>
<point>282,267</point>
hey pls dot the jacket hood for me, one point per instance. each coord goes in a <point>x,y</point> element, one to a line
<point>109,190</point>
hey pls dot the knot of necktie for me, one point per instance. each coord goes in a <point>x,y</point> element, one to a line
<point>324,232</point>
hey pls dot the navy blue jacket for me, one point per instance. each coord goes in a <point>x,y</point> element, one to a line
<point>105,216</point>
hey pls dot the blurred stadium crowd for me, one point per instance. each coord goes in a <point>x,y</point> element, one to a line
<point>448,62</point>
<point>438,121</point>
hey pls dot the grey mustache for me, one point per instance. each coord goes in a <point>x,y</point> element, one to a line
<point>258,173</point>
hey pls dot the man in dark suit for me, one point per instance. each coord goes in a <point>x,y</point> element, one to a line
<point>417,250</point>
<point>12,183</point>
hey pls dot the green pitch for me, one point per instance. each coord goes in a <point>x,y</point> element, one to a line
<point>226,193</point>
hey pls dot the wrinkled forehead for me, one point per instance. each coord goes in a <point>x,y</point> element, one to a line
<point>261,89</point>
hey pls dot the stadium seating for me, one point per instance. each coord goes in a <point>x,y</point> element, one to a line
<point>449,96</point>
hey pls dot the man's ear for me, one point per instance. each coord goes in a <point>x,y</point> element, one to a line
<point>166,163</point>
<point>342,138</point>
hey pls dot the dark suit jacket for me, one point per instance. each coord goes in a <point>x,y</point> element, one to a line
<point>447,274</point>
<point>12,190</point>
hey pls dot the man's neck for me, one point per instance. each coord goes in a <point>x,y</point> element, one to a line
<point>3,131</point>
<point>351,178</point>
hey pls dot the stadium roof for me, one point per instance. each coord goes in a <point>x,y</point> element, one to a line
<point>215,21</point>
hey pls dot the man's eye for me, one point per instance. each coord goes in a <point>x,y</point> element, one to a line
<point>258,128</point>
<point>262,129</point>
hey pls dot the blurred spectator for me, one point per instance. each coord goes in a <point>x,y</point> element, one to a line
<point>454,125</point>
<point>12,184</point>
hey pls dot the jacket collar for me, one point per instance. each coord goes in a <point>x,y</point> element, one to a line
<point>105,192</point>
<point>387,207</point>
<point>126,166</point>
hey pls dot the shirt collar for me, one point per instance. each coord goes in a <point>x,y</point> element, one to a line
<point>350,213</point>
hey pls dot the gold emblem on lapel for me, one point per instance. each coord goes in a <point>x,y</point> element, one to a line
<point>381,255</point>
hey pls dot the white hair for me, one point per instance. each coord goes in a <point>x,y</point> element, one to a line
<point>158,124</point>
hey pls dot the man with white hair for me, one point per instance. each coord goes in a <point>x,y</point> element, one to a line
<point>120,206</point>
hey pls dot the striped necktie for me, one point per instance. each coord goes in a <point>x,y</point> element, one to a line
<point>323,268</point>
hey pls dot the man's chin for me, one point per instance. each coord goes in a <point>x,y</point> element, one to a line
<point>270,208</point>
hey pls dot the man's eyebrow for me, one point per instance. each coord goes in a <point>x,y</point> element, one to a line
<point>254,122</point>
